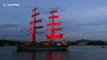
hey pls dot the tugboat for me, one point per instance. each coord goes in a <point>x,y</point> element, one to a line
<point>52,36</point>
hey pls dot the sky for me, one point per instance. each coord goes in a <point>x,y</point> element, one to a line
<point>85,19</point>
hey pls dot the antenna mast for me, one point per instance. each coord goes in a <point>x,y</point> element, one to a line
<point>33,24</point>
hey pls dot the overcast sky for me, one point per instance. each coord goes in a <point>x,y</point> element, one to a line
<point>80,18</point>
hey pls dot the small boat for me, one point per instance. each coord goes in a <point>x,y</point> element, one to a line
<point>51,44</point>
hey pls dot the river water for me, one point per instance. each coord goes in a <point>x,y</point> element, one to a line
<point>73,53</point>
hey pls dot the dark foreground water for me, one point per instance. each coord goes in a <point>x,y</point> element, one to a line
<point>73,53</point>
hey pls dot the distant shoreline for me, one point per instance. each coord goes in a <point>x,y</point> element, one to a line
<point>76,43</point>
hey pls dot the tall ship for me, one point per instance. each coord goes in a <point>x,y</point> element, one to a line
<point>52,34</point>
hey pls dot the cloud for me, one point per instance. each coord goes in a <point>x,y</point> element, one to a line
<point>8,25</point>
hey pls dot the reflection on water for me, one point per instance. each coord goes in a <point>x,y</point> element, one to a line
<point>32,56</point>
<point>73,53</point>
<point>53,56</point>
<point>44,55</point>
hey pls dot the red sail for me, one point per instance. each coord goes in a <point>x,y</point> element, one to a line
<point>54,36</point>
<point>39,27</point>
<point>52,17</point>
<point>36,21</point>
<point>35,14</point>
<point>52,30</point>
<point>53,11</point>
<point>56,29</point>
<point>54,24</point>
<point>49,30</point>
<point>35,9</point>
<point>32,28</point>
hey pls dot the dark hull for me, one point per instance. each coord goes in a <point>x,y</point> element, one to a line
<point>42,48</point>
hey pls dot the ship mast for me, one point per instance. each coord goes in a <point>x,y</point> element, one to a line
<point>33,23</point>
<point>52,29</point>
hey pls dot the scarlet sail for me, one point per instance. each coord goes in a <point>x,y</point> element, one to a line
<point>53,11</point>
<point>54,36</point>
<point>35,9</point>
<point>32,28</point>
<point>52,30</point>
<point>54,24</point>
<point>33,23</point>
<point>35,14</point>
<point>56,29</point>
<point>51,17</point>
<point>37,27</point>
<point>36,21</point>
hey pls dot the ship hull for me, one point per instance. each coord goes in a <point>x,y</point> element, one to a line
<point>42,48</point>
